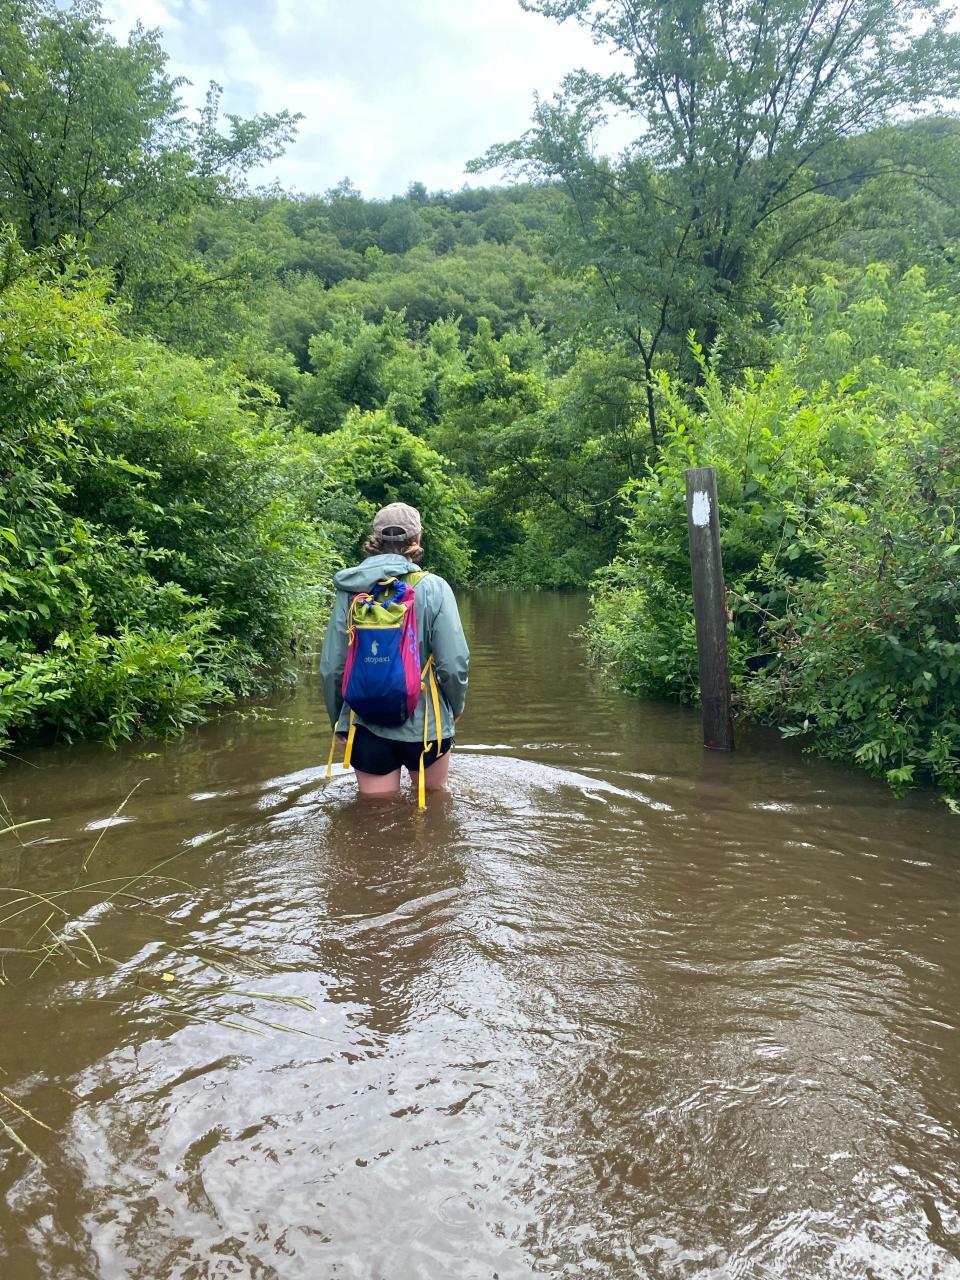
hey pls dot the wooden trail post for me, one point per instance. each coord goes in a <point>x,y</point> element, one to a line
<point>709,607</point>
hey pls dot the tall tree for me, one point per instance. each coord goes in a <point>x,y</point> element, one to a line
<point>738,107</point>
<point>86,125</point>
<point>95,144</point>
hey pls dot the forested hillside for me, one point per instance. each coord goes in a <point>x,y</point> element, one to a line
<point>208,386</point>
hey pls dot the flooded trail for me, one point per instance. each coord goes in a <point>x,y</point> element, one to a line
<point>613,1007</point>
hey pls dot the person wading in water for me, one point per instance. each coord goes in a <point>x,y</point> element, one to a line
<point>421,741</point>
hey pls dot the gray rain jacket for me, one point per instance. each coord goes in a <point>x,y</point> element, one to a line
<point>439,632</point>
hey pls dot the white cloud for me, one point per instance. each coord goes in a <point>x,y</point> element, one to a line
<point>393,91</point>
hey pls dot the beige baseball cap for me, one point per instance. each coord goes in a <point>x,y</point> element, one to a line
<point>397,522</point>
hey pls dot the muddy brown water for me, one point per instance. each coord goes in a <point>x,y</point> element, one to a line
<point>614,1007</point>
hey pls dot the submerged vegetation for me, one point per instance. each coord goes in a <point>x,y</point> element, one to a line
<point>206,389</point>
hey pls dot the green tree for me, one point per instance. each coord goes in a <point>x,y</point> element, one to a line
<point>546,455</point>
<point>735,106</point>
<point>371,462</point>
<point>363,366</point>
<point>501,283</point>
<point>402,229</point>
<point>897,198</point>
<point>87,126</point>
<point>95,147</point>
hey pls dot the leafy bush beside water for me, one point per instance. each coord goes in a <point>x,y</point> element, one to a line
<point>160,532</point>
<point>839,484</point>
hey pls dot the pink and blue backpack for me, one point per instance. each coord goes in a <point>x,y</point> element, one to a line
<point>382,678</point>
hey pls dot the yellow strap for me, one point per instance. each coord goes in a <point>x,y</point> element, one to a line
<point>421,781</point>
<point>333,751</point>
<point>427,678</point>
<point>435,697</point>
<point>350,736</point>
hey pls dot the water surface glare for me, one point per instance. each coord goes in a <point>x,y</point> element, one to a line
<point>613,1007</point>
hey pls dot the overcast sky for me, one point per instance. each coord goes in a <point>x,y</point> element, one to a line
<point>393,91</point>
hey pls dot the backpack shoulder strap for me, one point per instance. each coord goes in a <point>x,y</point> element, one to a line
<point>416,576</point>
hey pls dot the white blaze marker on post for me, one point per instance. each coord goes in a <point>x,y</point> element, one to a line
<point>709,607</point>
<point>700,509</point>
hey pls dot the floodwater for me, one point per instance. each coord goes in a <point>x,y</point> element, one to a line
<point>615,1007</point>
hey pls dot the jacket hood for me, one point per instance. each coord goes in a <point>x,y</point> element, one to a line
<point>364,576</point>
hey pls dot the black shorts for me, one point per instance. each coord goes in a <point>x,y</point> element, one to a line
<point>373,754</point>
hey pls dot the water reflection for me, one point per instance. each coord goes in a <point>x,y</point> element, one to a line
<point>391,891</point>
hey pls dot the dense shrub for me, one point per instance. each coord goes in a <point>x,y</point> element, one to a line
<point>839,489</point>
<point>160,542</point>
<point>868,653</point>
